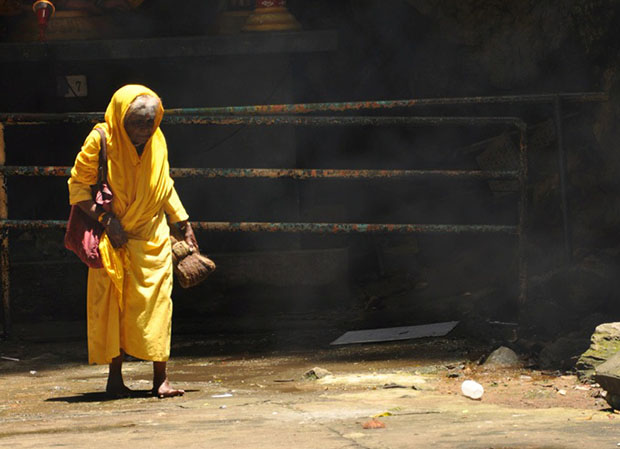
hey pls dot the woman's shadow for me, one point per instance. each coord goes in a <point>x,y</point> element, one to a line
<point>102,396</point>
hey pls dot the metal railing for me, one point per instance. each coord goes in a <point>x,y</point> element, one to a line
<point>554,99</point>
<point>308,108</point>
<point>266,115</point>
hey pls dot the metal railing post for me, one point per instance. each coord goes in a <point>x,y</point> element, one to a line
<point>4,244</point>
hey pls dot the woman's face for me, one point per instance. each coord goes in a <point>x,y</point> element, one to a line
<point>140,118</point>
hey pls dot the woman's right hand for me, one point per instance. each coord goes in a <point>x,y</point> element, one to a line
<point>115,231</point>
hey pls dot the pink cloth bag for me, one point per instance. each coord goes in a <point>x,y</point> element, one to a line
<point>83,233</point>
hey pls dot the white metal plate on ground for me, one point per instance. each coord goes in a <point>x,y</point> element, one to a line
<point>395,333</point>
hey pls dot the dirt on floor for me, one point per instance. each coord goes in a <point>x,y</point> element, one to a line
<point>240,395</point>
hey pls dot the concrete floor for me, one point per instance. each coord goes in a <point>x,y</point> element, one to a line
<point>50,398</point>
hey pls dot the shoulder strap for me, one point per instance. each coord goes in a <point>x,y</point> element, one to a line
<point>102,172</point>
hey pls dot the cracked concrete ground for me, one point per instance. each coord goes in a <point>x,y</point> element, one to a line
<point>49,398</point>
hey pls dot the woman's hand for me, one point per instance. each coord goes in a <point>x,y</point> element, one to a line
<point>115,231</point>
<point>188,234</point>
<point>111,224</point>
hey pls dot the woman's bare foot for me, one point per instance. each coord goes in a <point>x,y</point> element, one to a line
<point>117,390</point>
<point>115,387</point>
<point>164,390</point>
<point>161,387</point>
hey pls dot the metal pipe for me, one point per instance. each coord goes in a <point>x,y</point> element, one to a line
<point>29,170</point>
<point>274,173</point>
<point>559,129</point>
<point>317,228</point>
<point>32,224</point>
<point>344,228</point>
<point>4,245</point>
<point>269,120</point>
<point>29,118</point>
<point>314,173</point>
<point>304,108</point>
<point>6,284</point>
<point>522,225</point>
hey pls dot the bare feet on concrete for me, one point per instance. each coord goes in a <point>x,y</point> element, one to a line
<point>116,388</point>
<point>164,390</point>
<point>161,387</point>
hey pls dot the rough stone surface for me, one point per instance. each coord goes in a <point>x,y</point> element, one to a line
<point>562,353</point>
<point>503,356</point>
<point>605,342</point>
<point>568,295</point>
<point>611,367</point>
<point>613,400</point>
<point>608,376</point>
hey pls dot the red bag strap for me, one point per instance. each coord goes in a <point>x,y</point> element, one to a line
<point>102,172</point>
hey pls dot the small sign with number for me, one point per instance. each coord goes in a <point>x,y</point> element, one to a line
<point>70,86</point>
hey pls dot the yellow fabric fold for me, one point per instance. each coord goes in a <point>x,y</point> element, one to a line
<point>114,263</point>
<point>174,208</point>
<point>84,171</point>
<point>135,313</point>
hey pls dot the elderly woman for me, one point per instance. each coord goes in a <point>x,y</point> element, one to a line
<point>128,300</point>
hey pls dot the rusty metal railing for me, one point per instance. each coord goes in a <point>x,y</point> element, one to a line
<point>191,117</point>
<point>307,108</point>
<point>310,228</point>
<point>292,173</point>
<point>268,120</point>
<point>554,99</point>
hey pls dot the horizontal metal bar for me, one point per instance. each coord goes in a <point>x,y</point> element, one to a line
<point>317,228</point>
<point>345,228</point>
<point>32,170</point>
<point>305,108</point>
<point>29,118</point>
<point>297,173</point>
<point>32,224</point>
<point>294,173</point>
<point>268,120</point>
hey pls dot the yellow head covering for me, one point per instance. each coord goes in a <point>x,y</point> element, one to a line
<point>116,111</point>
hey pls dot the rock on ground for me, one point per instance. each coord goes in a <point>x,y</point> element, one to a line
<point>316,373</point>
<point>605,342</point>
<point>503,356</point>
<point>608,376</point>
<point>562,353</point>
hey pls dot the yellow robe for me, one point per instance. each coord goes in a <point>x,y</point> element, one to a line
<point>128,301</point>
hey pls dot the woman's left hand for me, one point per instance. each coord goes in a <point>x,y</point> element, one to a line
<point>190,238</point>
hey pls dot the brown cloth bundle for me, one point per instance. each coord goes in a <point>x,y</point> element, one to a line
<point>190,267</point>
